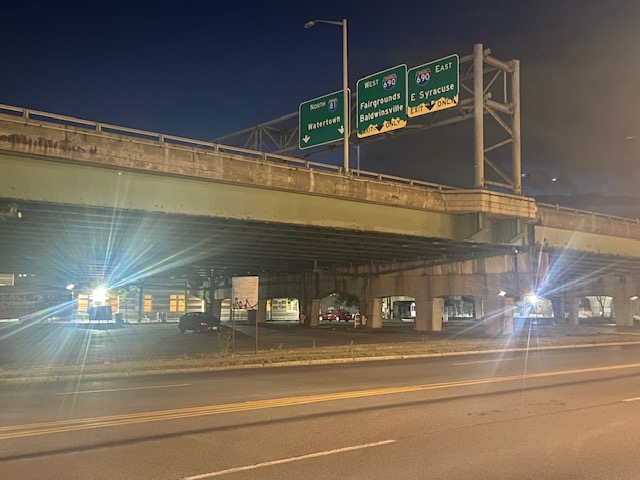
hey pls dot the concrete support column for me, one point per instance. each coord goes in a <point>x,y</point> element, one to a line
<point>310,312</point>
<point>622,303</point>
<point>437,309</point>
<point>477,307</point>
<point>262,310</point>
<point>216,307</point>
<point>422,321</point>
<point>559,307</point>
<point>574,311</point>
<point>509,312</point>
<point>497,314</point>
<point>445,313</point>
<point>428,314</point>
<point>622,311</point>
<point>374,320</point>
<point>305,308</point>
<point>314,313</point>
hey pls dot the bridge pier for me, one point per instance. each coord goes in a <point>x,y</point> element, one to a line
<point>497,314</point>
<point>314,313</point>
<point>574,312</point>
<point>216,307</point>
<point>374,317</point>
<point>261,314</point>
<point>624,289</point>
<point>428,313</point>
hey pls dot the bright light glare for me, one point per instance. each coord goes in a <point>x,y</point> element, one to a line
<point>532,298</point>
<point>100,295</point>
<point>502,293</point>
<point>71,286</point>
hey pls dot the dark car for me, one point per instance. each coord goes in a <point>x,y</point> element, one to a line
<point>199,322</point>
<point>336,314</point>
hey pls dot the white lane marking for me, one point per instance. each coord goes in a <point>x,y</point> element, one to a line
<point>124,389</point>
<point>288,460</point>
<point>479,361</point>
<point>631,399</point>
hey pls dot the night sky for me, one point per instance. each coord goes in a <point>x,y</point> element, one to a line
<point>205,69</point>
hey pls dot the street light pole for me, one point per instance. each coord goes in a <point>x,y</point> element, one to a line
<point>345,85</point>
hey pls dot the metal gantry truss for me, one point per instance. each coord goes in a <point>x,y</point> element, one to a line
<point>487,87</point>
<point>484,103</point>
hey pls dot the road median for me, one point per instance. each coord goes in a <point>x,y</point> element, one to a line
<point>418,346</point>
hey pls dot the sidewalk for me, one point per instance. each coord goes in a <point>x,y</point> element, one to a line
<point>291,344</point>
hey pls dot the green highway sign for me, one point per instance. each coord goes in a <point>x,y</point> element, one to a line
<point>433,86</point>
<point>382,102</point>
<point>320,120</point>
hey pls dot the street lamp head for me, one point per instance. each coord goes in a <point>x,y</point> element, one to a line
<point>342,23</point>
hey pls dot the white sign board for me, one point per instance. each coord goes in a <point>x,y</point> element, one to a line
<point>244,293</point>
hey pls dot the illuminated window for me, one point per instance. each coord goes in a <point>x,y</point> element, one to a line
<point>147,303</point>
<point>83,302</point>
<point>176,302</point>
<point>114,301</point>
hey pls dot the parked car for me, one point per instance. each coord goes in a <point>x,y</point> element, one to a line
<point>336,314</point>
<point>199,322</point>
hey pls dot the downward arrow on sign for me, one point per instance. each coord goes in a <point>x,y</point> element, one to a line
<point>341,129</point>
<point>306,138</point>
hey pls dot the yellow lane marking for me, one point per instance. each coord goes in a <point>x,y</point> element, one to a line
<point>44,428</point>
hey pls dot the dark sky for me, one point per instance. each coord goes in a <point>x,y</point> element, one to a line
<point>204,69</point>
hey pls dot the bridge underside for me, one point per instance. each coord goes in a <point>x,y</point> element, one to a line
<point>74,244</point>
<point>569,268</point>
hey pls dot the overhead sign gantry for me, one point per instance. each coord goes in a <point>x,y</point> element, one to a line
<point>488,87</point>
<point>321,120</point>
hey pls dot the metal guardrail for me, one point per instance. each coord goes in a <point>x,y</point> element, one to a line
<point>33,116</point>
<point>172,141</point>
<point>588,213</point>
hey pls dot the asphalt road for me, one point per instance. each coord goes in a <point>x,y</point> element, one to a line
<point>567,414</point>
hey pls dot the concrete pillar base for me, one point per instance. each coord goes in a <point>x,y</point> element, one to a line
<point>374,320</point>
<point>497,313</point>
<point>262,311</point>
<point>314,313</point>
<point>429,314</point>
<point>623,290</point>
<point>216,307</point>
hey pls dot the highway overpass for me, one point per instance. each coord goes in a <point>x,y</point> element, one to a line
<point>119,205</point>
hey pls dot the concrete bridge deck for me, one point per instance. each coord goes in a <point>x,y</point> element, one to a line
<point>123,203</point>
